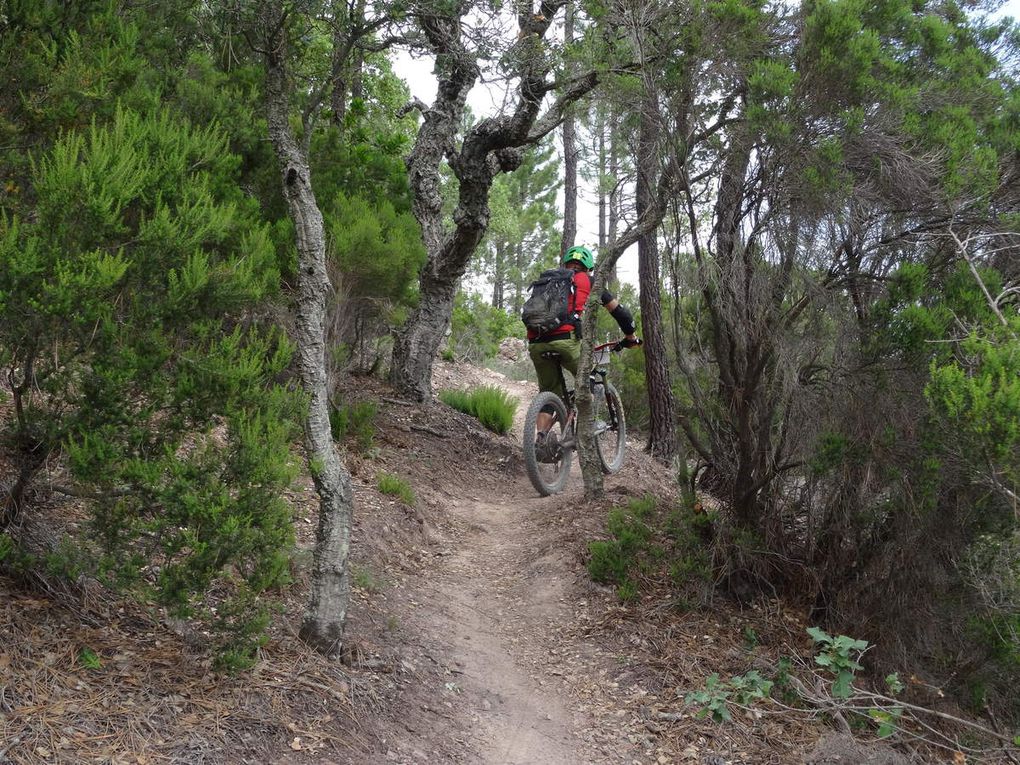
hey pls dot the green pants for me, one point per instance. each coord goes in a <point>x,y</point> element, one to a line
<point>548,370</point>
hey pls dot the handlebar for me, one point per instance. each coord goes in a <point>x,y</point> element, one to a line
<point>618,345</point>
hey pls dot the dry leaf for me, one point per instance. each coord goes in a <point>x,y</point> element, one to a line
<point>959,758</point>
<point>296,744</point>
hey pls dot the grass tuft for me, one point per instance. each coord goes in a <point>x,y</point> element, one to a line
<point>395,486</point>
<point>493,406</point>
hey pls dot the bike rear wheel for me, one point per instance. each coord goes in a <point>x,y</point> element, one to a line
<point>548,468</point>
<point>610,429</point>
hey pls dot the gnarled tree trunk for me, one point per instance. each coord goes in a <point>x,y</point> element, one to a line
<point>490,147</point>
<point>326,614</point>
<point>569,155</point>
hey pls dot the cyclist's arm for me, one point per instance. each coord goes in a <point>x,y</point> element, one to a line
<point>624,318</point>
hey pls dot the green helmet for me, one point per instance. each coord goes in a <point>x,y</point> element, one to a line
<point>582,255</point>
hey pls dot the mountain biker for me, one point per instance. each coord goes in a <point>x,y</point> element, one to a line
<point>566,339</point>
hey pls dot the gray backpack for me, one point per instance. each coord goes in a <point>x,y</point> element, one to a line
<point>549,304</point>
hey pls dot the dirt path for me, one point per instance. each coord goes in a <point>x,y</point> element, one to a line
<point>491,631</point>
<point>493,609</point>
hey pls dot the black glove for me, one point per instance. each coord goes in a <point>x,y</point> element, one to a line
<point>627,343</point>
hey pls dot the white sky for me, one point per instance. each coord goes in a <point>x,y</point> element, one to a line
<point>484,101</point>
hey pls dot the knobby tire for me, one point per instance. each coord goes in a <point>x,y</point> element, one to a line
<point>547,478</point>
<point>612,443</point>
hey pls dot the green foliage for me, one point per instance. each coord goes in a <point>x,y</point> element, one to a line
<point>974,397</point>
<point>356,421</point>
<point>839,656</point>
<point>690,529</point>
<point>750,637</point>
<point>933,69</point>
<point>395,486</point>
<point>477,329</point>
<point>89,659</point>
<point>642,540</point>
<point>13,559</point>
<point>378,251</point>
<point>137,274</point>
<point>613,561</point>
<point>718,694</point>
<point>978,395</point>
<point>886,719</point>
<point>364,578</point>
<point>493,406</point>
<point>523,237</point>
<point>832,451</point>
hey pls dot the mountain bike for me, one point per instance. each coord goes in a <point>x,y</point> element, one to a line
<point>547,458</point>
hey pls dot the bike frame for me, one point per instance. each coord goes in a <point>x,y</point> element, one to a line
<point>609,418</point>
<point>597,371</point>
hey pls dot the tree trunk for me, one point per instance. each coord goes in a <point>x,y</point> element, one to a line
<point>603,233</point>
<point>612,278</point>
<point>338,94</point>
<point>591,468</point>
<point>662,435</point>
<point>347,30</point>
<point>521,267</point>
<point>326,614</point>
<point>499,269</point>
<point>491,146</point>
<point>415,344</point>
<point>737,351</point>
<point>569,155</point>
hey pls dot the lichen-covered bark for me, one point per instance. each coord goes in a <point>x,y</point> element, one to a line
<point>326,614</point>
<point>490,147</point>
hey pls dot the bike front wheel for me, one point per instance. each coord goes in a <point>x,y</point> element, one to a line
<point>547,458</point>
<point>610,429</point>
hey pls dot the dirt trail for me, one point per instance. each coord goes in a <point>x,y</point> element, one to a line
<point>487,596</point>
<point>496,615</point>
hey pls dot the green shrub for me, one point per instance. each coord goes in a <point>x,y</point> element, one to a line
<point>690,531</point>
<point>355,421</point>
<point>142,270</point>
<point>612,561</point>
<point>477,329</point>
<point>365,579</point>
<point>608,563</point>
<point>493,406</point>
<point>641,540</point>
<point>395,486</point>
<point>89,659</point>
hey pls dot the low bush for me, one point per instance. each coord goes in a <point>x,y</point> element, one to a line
<point>493,406</point>
<point>613,561</point>
<point>641,540</point>
<point>477,329</point>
